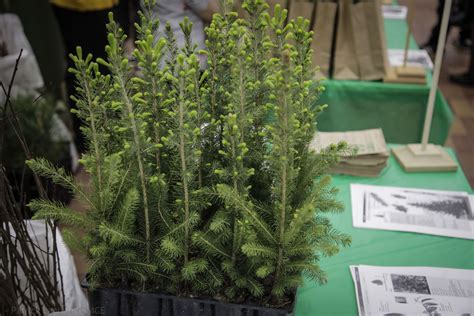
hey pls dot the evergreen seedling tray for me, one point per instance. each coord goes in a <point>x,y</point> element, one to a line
<point>190,182</point>
<point>115,302</point>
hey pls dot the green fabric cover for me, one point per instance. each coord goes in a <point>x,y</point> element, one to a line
<point>384,248</point>
<point>399,109</point>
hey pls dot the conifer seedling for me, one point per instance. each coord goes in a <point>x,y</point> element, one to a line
<point>202,181</point>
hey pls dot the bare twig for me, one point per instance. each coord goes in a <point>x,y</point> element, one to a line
<point>20,253</point>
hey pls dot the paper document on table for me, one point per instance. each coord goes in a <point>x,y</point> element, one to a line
<point>443,213</point>
<point>415,57</point>
<point>367,142</point>
<point>368,161</point>
<point>413,291</point>
<point>394,12</point>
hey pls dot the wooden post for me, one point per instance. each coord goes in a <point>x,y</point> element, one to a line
<point>407,39</point>
<point>424,156</point>
<point>437,69</point>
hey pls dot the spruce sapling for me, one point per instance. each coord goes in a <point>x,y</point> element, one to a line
<point>203,180</point>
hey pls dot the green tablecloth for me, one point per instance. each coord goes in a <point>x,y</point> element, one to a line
<point>398,108</point>
<point>384,248</point>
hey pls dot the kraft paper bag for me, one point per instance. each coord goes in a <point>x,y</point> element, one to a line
<point>369,48</point>
<point>271,7</point>
<point>346,66</point>
<point>324,25</point>
<point>300,8</point>
<point>273,3</point>
<point>237,6</point>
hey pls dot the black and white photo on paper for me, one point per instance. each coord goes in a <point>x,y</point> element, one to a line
<point>445,213</point>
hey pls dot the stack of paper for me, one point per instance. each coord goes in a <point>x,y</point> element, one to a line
<point>415,58</point>
<point>413,291</point>
<point>371,153</point>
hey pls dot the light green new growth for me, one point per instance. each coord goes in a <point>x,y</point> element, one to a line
<point>203,183</point>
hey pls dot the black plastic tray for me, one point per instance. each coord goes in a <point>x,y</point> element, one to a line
<point>117,302</point>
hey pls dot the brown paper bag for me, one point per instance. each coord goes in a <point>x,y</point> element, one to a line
<point>300,8</point>
<point>383,40</point>
<point>271,7</point>
<point>273,3</point>
<point>324,25</point>
<point>237,7</point>
<point>346,66</point>
<point>367,34</point>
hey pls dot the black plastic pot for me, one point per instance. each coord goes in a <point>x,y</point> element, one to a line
<point>117,302</point>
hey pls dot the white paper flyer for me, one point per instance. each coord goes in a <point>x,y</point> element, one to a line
<point>443,213</point>
<point>400,291</point>
<point>394,12</point>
